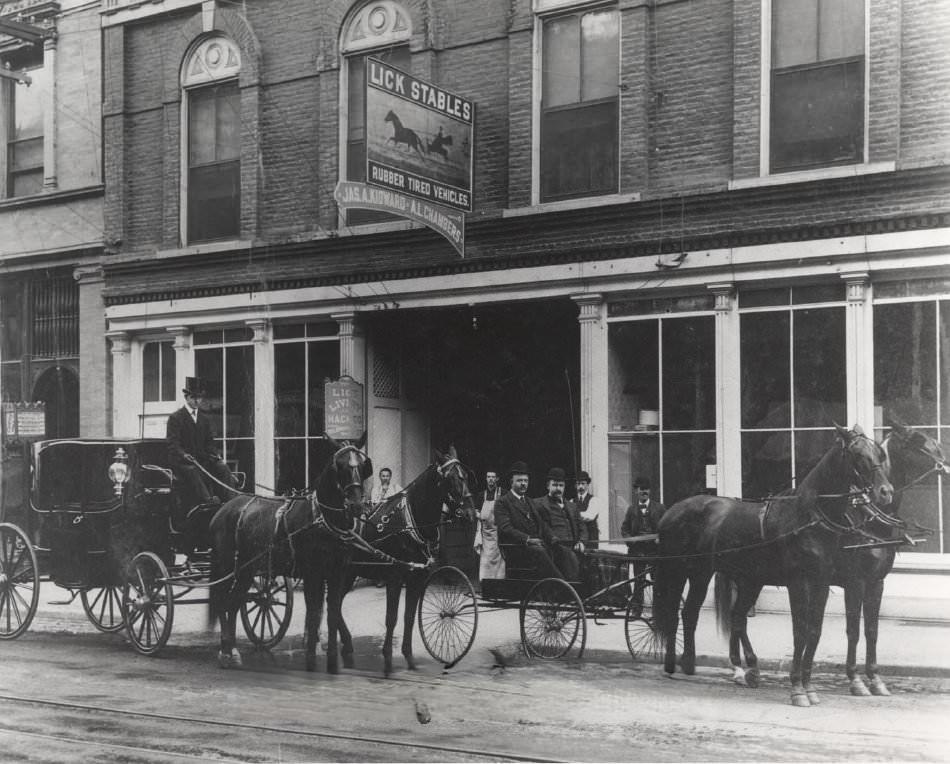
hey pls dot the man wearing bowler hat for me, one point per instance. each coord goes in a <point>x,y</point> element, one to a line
<point>521,531</point>
<point>192,451</point>
<point>568,532</point>
<point>642,517</point>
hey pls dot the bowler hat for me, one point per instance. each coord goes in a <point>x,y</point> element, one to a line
<point>555,473</point>
<point>582,476</point>
<point>194,386</point>
<point>642,482</point>
<point>519,468</point>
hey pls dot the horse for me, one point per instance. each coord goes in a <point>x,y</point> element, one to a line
<point>788,540</point>
<point>400,543</point>
<point>403,134</point>
<point>301,536</point>
<point>860,572</point>
<point>437,145</point>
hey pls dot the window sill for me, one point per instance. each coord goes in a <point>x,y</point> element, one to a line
<point>824,173</point>
<point>210,247</point>
<point>51,197</point>
<point>571,204</point>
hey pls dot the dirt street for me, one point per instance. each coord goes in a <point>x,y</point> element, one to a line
<point>181,706</point>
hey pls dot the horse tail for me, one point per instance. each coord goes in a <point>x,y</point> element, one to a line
<point>725,599</point>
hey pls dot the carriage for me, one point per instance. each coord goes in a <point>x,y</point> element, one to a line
<point>553,613</point>
<point>108,522</point>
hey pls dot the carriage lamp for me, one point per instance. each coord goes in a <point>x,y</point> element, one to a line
<point>119,470</point>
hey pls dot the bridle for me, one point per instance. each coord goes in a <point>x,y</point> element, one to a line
<point>445,470</point>
<point>317,506</point>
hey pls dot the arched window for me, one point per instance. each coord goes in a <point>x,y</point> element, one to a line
<point>211,145</point>
<point>380,29</point>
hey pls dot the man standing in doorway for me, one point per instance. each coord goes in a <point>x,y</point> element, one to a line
<point>491,563</point>
<point>385,487</point>
<point>194,458</point>
<point>642,518</point>
<point>589,508</point>
<point>521,531</point>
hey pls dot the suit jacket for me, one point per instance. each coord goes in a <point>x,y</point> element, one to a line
<point>518,521</point>
<point>636,524</point>
<point>578,528</point>
<point>185,436</point>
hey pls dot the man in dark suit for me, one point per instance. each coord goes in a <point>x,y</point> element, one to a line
<point>642,517</point>
<point>191,449</point>
<point>521,531</point>
<point>568,532</point>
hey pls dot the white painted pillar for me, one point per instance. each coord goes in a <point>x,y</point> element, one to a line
<point>263,404</point>
<point>728,393</point>
<point>859,352</point>
<point>184,359</point>
<point>593,396</point>
<point>123,410</point>
<point>352,346</point>
<point>49,116</point>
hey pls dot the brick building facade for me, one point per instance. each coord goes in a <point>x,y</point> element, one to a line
<point>697,228</point>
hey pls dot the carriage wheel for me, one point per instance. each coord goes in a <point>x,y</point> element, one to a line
<point>553,620</point>
<point>19,582</point>
<point>148,603</point>
<point>448,615</point>
<point>267,611</point>
<point>104,608</point>
<point>644,640</point>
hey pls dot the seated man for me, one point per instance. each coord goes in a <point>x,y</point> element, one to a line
<point>519,524</point>
<point>568,531</point>
<point>192,452</point>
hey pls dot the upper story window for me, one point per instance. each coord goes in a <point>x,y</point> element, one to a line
<point>24,117</point>
<point>211,168</point>
<point>382,30</point>
<point>579,104</point>
<point>817,84</point>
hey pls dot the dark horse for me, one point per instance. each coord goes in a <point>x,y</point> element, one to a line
<point>437,145</point>
<point>401,538</point>
<point>789,540</point>
<point>403,134</point>
<point>911,456</point>
<point>304,537</point>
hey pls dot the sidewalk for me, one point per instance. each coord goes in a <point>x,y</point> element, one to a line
<point>908,647</point>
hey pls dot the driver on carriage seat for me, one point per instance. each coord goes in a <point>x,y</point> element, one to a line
<point>521,528</point>
<point>192,452</point>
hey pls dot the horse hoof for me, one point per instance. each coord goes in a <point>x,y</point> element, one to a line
<point>348,661</point>
<point>859,689</point>
<point>738,676</point>
<point>753,678</point>
<point>224,660</point>
<point>879,688</point>
<point>800,700</point>
<point>311,663</point>
<point>813,697</point>
<point>688,665</point>
<point>236,659</point>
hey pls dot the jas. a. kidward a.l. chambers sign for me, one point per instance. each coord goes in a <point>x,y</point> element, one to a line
<point>419,137</point>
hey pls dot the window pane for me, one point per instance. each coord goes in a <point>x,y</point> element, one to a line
<point>321,452</point>
<point>26,183</point>
<point>228,123</point>
<point>633,372</point>
<point>841,29</point>
<point>28,105</point>
<point>818,293</point>
<point>289,400</point>
<point>764,363</point>
<point>820,373</point>
<point>324,360</point>
<point>685,457</point>
<point>168,371</point>
<point>209,367</point>
<point>817,116</point>
<point>766,463</point>
<point>239,363</point>
<point>356,99</point>
<point>905,368</point>
<point>214,201</point>
<point>945,367</point>
<point>150,371</point>
<point>11,326</point>
<point>600,34</point>
<point>794,32</point>
<point>689,374</point>
<point>26,154</point>
<point>201,126</point>
<point>561,62</point>
<point>579,151</point>
<point>810,446</point>
<point>239,455</point>
<point>291,466</point>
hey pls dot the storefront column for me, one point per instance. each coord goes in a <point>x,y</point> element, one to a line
<point>728,394</point>
<point>860,352</point>
<point>123,411</point>
<point>352,346</point>
<point>593,394</point>
<point>184,360</point>
<point>93,399</point>
<point>263,404</point>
